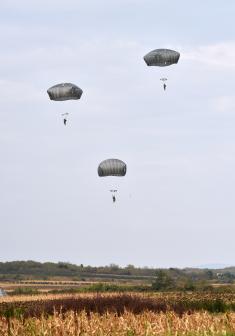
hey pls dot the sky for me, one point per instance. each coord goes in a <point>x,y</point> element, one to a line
<point>175,206</point>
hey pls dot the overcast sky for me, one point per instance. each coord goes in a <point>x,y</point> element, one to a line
<point>175,206</point>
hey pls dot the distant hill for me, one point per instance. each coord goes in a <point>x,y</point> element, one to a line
<point>215,266</point>
<point>21,270</point>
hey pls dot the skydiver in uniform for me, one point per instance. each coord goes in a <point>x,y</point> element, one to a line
<point>164,86</point>
<point>114,199</point>
<point>65,121</point>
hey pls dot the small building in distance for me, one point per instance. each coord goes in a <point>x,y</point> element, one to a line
<point>2,292</point>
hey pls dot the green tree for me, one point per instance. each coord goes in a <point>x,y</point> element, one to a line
<point>163,281</point>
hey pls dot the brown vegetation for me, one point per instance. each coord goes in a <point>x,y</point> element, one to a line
<point>35,306</point>
<point>118,314</point>
<point>128,324</point>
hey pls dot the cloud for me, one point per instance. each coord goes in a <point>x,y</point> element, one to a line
<point>219,54</point>
<point>18,90</point>
<point>224,104</point>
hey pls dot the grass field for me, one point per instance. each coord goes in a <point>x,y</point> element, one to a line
<point>118,314</point>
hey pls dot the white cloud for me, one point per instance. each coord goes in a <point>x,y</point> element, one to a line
<point>219,54</point>
<point>18,92</point>
<point>224,104</point>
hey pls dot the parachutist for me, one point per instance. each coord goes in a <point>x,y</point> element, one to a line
<point>164,84</point>
<point>162,58</point>
<point>112,167</point>
<point>64,91</point>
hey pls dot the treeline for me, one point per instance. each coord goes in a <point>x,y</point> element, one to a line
<point>21,270</point>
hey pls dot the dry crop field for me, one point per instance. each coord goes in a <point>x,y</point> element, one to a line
<point>118,314</point>
<point>44,286</point>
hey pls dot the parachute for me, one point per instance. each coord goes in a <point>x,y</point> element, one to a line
<point>64,91</point>
<point>112,167</point>
<point>162,57</point>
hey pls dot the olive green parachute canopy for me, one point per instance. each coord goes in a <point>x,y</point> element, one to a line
<point>64,91</point>
<point>162,57</point>
<point>112,167</point>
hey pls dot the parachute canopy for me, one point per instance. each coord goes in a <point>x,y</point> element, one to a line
<point>112,167</point>
<point>64,91</point>
<point>162,57</point>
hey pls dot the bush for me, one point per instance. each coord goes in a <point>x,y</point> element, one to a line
<point>163,281</point>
